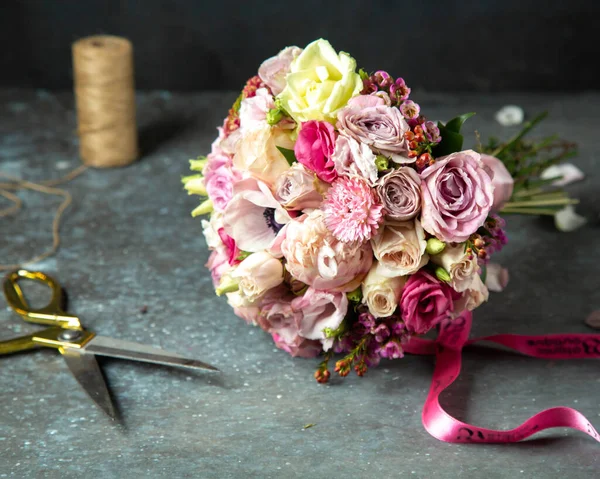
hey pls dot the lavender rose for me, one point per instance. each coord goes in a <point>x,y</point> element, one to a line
<point>369,120</point>
<point>457,195</point>
<point>400,192</point>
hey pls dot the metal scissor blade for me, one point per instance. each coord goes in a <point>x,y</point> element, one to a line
<point>118,348</point>
<point>87,372</point>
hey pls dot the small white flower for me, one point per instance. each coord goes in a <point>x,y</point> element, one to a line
<point>510,115</point>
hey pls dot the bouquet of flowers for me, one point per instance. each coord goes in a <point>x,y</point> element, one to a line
<point>342,220</point>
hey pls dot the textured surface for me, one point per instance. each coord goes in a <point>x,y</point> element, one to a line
<point>130,243</point>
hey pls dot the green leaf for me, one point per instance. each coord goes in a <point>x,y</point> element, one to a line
<point>451,141</point>
<point>483,273</point>
<point>363,74</point>
<point>290,156</point>
<point>456,123</point>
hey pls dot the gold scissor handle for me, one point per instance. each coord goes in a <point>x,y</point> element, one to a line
<point>51,314</point>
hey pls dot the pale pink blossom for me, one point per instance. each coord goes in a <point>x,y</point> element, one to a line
<point>299,188</point>
<point>352,209</point>
<point>457,196</point>
<point>352,158</point>
<point>502,181</point>
<point>400,248</point>
<point>253,110</point>
<point>380,293</point>
<point>475,294</point>
<point>257,274</point>
<point>315,257</point>
<point>460,265</point>
<point>274,70</point>
<point>253,217</point>
<point>320,310</point>
<point>218,265</point>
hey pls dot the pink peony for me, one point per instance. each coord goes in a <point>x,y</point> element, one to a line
<point>314,148</point>
<point>457,195</point>
<point>425,302</point>
<point>501,179</point>
<point>274,70</point>
<point>319,310</point>
<point>315,257</point>
<point>253,217</point>
<point>352,209</point>
<point>369,120</point>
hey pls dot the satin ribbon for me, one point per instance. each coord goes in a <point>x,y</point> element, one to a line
<point>447,348</point>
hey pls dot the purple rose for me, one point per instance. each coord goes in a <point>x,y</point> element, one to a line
<point>425,302</point>
<point>314,148</point>
<point>400,192</point>
<point>457,195</point>
<point>369,120</point>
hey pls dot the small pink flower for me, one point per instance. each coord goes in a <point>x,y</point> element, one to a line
<point>219,183</point>
<point>352,209</point>
<point>314,148</point>
<point>230,248</point>
<point>425,302</point>
<point>410,110</point>
<point>218,264</point>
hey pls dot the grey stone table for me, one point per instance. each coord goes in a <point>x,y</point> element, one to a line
<point>130,245</point>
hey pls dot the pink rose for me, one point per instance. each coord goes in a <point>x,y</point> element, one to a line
<point>218,264</point>
<point>314,148</point>
<point>369,120</point>
<point>425,302</point>
<point>219,185</point>
<point>457,196</point>
<point>298,188</point>
<point>296,345</point>
<point>319,310</point>
<point>274,70</point>
<point>400,192</point>
<point>501,179</point>
<point>315,257</point>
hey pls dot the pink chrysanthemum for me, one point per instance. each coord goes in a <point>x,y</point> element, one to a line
<point>352,209</point>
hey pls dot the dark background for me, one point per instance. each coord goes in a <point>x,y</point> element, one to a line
<point>442,45</point>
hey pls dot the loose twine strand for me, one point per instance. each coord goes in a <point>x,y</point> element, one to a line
<point>45,187</point>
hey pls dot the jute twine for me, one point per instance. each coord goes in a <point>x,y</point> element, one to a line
<point>105,94</point>
<point>47,187</point>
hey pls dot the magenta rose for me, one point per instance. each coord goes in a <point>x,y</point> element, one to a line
<point>425,302</point>
<point>457,196</point>
<point>314,148</point>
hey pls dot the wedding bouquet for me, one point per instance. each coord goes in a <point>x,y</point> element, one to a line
<point>343,221</point>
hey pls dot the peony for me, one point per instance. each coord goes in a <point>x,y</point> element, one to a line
<point>368,120</point>
<point>253,110</point>
<point>320,82</point>
<point>315,257</point>
<point>457,195</point>
<point>400,248</point>
<point>502,181</point>
<point>257,274</point>
<point>274,70</point>
<point>298,188</point>
<point>314,148</point>
<point>425,302</point>
<point>253,217</point>
<point>400,192</point>
<point>380,293</point>
<point>352,158</point>
<point>320,310</point>
<point>460,265</point>
<point>257,154</point>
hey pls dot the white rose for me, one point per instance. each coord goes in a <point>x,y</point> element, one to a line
<point>257,274</point>
<point>475,294</point>
<point>381,294</point>
<point>460,265</point>
<point>400,248</point>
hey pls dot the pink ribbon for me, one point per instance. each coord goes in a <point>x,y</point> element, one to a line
<point>453,336</point>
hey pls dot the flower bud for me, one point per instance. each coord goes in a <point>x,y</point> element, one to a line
<point>198,164</point>
<point>355,296</point>
<point>274,116</point>
<point>435,246</point>
<point>382,163</point>
<point>194,185</point>
<point>203,208</point>
<point>442,274</point>
<point>227,285</point>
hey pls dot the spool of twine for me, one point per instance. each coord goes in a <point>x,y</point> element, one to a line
<point>105,95</point>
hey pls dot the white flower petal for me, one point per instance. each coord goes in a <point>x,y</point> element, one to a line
<point>569,173</point>
<point>496,277</point>
<point>510,115</point>
<point>567,220</point>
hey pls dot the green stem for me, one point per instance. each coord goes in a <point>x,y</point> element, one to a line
<point>555,202</point>
<point>526,129</point>
<point>528,211</point>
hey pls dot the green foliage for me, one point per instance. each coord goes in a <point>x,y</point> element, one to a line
<point>452,140</point>
<point>289,155</point>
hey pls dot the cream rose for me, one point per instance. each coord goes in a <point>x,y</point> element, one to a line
<point>257,274</point>
<point>475,294</point>
<point>258,156</point>
<point>380,293</point>
<point>460,265</point>
<point>298,188</point>
<point>400,248</point>
<point>320,82</point>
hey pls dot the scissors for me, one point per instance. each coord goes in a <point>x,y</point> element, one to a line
<point>78,346</point>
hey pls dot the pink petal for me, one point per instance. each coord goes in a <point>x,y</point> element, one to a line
<point>496,277</point>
